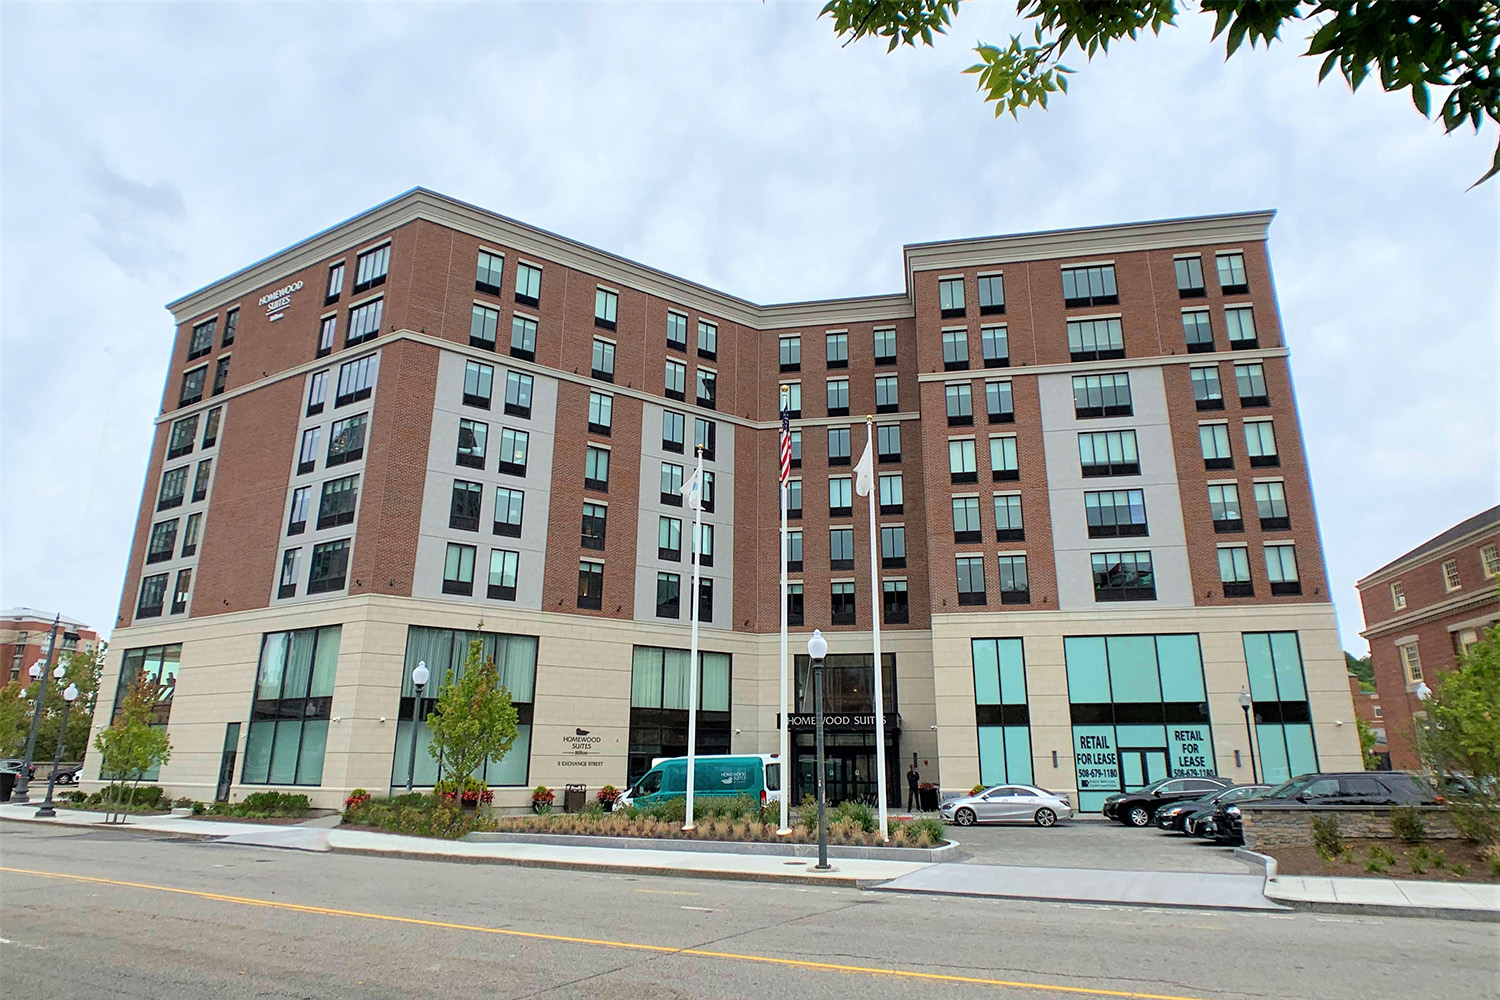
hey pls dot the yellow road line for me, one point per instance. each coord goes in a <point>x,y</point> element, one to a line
<point>604,943</point>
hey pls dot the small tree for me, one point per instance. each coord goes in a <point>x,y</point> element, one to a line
<point>1367,741</point>
<point>15,721</point>
<point>130,746</point>
<point>83,669</point>
<point>1462,735</point>
<point>474,720</point>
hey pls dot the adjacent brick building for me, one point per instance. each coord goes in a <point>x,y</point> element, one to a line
<point>1096,524</point>
<point>1421,610</point>
<point>25,634</point>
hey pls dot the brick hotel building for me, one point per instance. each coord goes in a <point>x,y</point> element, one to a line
<point>1095,520</point>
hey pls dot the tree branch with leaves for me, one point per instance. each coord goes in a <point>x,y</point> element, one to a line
<point>474,720</point>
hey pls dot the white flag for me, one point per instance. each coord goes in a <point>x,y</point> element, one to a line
<point>864,472</point>
<point>693,490</point>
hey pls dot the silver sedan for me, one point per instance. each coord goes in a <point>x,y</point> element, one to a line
<point>1008,804</point>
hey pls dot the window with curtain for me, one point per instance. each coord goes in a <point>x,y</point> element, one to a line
<point>659,692</point>
<point>293,702</point>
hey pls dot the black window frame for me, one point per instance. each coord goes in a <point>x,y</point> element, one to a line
<point>381,257</point>
<point>335,554</point>
<point>1108,293</point>
<point>595,526</point>
<point>590,585</point>
<point>465,505</point>
<point>193,382</point>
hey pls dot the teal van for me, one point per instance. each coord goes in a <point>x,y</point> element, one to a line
<point>714,776</point>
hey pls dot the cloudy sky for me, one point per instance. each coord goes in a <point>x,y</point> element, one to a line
<point>148,149</point>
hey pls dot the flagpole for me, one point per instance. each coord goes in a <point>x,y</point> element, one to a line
<point>786,742</point>
<point>692,753</point>
<point>875,595</point>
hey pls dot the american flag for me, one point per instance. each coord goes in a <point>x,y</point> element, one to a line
<point>786,446</point>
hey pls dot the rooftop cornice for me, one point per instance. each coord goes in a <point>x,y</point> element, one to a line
<point>1423,556</point>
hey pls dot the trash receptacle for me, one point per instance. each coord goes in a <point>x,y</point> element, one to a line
<point>574,797</point>
<point>7,783</point>
<point>929,798</point>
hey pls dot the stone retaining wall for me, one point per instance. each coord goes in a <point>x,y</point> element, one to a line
<point>1285,826</point>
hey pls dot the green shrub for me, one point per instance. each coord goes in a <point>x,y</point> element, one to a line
<point>183,802</point>
<point>199,808</point>
<point>1407,824</point>
<point>855,812</point>
<point>418,815</point>
<point>591,809</point>
<point>77,798</point>
<point>1327,837</point>
<point>667,811</point>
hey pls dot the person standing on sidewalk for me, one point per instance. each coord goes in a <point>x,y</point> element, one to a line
<point>913,782</point>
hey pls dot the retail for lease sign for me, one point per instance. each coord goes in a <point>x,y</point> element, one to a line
<point>1191,750</point>
<point>1096,758</point>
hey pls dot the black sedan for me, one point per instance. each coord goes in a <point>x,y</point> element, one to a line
<point>1350,788</point>
<point>1187,816</point>
<point>1139,807</point>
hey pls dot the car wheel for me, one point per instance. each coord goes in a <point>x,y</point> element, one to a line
<point>1138,816</point>
<point>1045,817</point>
<point>1188,826</point>
<point>964,817</point>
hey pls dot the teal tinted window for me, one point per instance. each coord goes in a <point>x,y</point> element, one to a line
<point>1302,756</point>
<point>992,755</point>
<point>1286,659</point>
<point>1141,736</point>
<point>1088,672</point>
<point>1273,760</point>
<point>986,675</point>
<point>1017,754</point>
<point>1132,668</point>
<point>1012,675</point>
<point>1258,666</point>
<point>1181,668</point>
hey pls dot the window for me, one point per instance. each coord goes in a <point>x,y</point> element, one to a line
<point>1450,576</point>
<point>703,545</point>
<point>297,522</point>
<point>839,493</point>
<point>1281,569</point>
<point>1411,661</point>
<point>1101,396</point>
<point>1234,571</point>
<point>960,405</point>
<point>676,380</point>
<point>991,294</point>
<point>1251,381</point>
<point>895,604</point>
<point>307,455</point>
<point>604,359</point>
<point>523,338</point>
<point>336,506</point>
<point>672,431</point>
<point>1108,453</point>
<point>1015,586</point>
<point>221,376</point>
<point>1190,277</point>
<point>1115,513</point>
<point>668,595</point>
<point>202,340</point>
<point>1270,506</point>
<point>356,381</point>
<point>346,439</point>
<point>1009,526</point>
<point>888,442</point>
<point>192,386</point>
<point>1089,286</point>
<point>370,268</point>
<point>966,520</point>
<point>1095,339</point>
<point>1214,440</point>
<point>891,499</point>
<point>1241,325</point>
<point>838,446</point>
<point>886,400</point>
<point>489,273</point>
<point>293,704</point>
<point>328,330</point>
<point>606,308</point>
<point>364,322</point>
<point>528,284</point>
<point>706,436</point>
<point>590,584</point>
<point>951,297</point>
<point>961,463</point>
<point>794,604</point>
<point>594,518</point>
<point>508,506</point>
<point>705,600</point>
<point>601,413</point>
<point>838,397</point>
<point>184,432</point>
<point>841,548</point>
<point>1207,395</point>
<point>596,469</point>
<point>458,570</point>
<point>794,498</point>
<point>163,541</point>
<point>190,535</point>
<point>677,331</point>
<point>1123,576</point>
<point>330,563</point>
<point>708,491</point>
<point>472,438</point>
<point>211,427</point>
<point>1197,331</point>
<point>1232,273</point>
<point>1260,444</point>
<point>671,484</point>
<point>153,596</point>
<point>708,388</point>
<point>504,568</point>
<point>288,584</point>
<point>885,346</point>
<point>794,551</point>
<point>479,382</point>
<point>200,480</point>
<point>789,352</point>
<point>893,547</point>
<point>796,436</point>
<point>843,603</point>
<point>173,486</point>
<point>514,445</point>
<point>317,392</point>
<point>518,394</point>
<point>995,344</point>
<point>971,580</point>
<point>463,511</point>
<point>484,326</point>
<point>708,339</point>
<point>1489,561</point>
<point>955,350</point>
<point>335,284</point>
<point>669,539</point>
<point>1003,463</point>
<point>1398,596</point>
<point>1224,508</point>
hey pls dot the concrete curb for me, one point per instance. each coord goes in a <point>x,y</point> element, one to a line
<point>1263,862</point>
<point>129,828</point>
<point>915,855</point>
<point>1145,904</point>
<point>1389,910</point>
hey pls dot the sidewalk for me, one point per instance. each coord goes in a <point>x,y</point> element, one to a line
<point>1090,885</point>
<point>1390,897</point>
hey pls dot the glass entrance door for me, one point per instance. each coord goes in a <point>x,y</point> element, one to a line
<point>1140,767</point>
<point>226,761</point>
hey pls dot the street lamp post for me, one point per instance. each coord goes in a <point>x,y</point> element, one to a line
<point>1245,702</point>
<point>817,649</point>
<point>38,674</point>
<point>1424,695</point>
<point>419,681</point>
<point>70,695</point>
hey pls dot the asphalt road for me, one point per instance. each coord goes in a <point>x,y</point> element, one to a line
<point>253,922</point>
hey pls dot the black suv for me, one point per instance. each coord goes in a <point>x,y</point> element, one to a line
<point>1351,788</point>
<point>1137,808</point>
<point>1185,816</point>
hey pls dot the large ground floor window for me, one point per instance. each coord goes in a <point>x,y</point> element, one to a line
<point>1001,714</point>
<point>659,685</point>
<point>293,698</point>
<point>157,665</point>
<point>1278,690</point>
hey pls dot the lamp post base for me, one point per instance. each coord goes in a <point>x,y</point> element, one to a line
<point>46,812</point>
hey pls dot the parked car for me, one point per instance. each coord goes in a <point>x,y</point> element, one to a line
<point>1007,804</point>
<point>1352,788</point>
<point>714,776</point>
<point>67,774</point>
<point>1184,816</point>
<point>13,766</point>
<point>1137,808</point>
